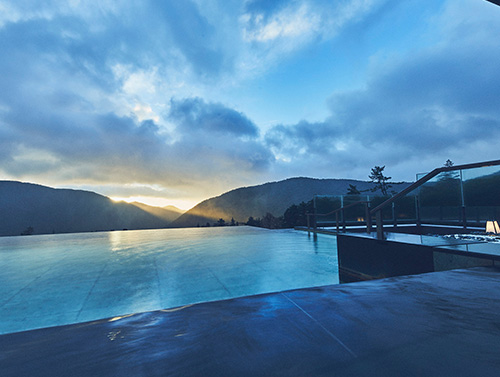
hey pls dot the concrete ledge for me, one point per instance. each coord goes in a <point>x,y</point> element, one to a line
<point>364,257</point>
<point>376,259</point>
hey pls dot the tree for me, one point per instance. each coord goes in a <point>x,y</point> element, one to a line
<point>28,231</point>
<point>353,190</point>
<point>271,222</point>
<point>296,215</point>
<point>381,181</point>
<point>253,222</point>
<point>446,191</point>
<point>448,175</point>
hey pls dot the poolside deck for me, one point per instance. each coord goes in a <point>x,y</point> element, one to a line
<point>436,324</point>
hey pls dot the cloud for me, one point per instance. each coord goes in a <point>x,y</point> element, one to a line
<point>194,36</point>
<point>169,32</point>
<point>130,93</point>
<point>440,101</point>
<point>211,142</point>
<point>275,31</point>
<point>86,95</point>
<point>193,114</point>
<point>289,23</point>
<point>300,21</point>
<point>217,140</point>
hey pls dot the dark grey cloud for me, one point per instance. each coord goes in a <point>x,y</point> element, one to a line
<point>431,101</point>
<point>194,114</point>
<point>310,138</point>
<point>216,137</point>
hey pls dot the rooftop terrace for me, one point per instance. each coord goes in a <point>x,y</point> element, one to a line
<point>421,317</point>
<point>436,324</point>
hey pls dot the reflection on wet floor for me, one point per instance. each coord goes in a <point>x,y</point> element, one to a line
<point>434,324</point>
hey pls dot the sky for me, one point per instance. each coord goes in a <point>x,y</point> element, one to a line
<point>173,102</point>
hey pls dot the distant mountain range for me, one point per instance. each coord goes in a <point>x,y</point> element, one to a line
<point>34,209</point>
<point>168,213</point>
<point>274,197</point>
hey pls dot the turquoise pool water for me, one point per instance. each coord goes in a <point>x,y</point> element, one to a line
<point>60,279</point>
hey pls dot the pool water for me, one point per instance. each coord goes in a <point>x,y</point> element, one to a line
<point>51,280</point>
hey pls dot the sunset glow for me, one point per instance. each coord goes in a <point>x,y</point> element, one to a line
<point>158,202</point>
<point>175,102</point>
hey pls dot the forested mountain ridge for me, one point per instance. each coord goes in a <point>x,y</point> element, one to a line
<point>27,208</point>
<point>272,197</point>
<point>34,209</point>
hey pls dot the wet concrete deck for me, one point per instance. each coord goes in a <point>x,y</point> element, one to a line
<point>435,324</point>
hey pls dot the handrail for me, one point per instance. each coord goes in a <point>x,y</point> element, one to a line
<point>428,177</point>
<point>378,209</point>
<point>342,208</point>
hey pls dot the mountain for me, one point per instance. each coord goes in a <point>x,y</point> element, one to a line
<point>274,197</point>
<point>49,210</point>
<point>174,209</point>
<point>168,213</point>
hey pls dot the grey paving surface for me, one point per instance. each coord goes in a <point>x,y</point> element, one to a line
<point>437,324</point>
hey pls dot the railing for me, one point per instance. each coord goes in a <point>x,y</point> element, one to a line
<point>465,195</point>
<point>341,211</point>
<point>377,211</point>
<point>346,215</point>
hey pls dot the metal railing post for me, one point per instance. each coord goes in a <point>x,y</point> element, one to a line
<point>368,218</point>
<point>464,218</point>
<point>315,219</point>
<point>417,212</point>
<point>394,219</point>
<point>343,219</point>
<point>380,225</point>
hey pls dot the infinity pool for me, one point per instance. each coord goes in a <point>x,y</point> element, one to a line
<point>60,279</point>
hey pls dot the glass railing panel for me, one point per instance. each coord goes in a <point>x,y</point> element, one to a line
<point>386,212</point>
<point>467,196</point>
<point>405,209</point>
<point>325,204</point>
<point>481,214</point>
<point>421,175</point>
<point>482,193</point>
<point>440,198</point>
<point>356,208</point>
